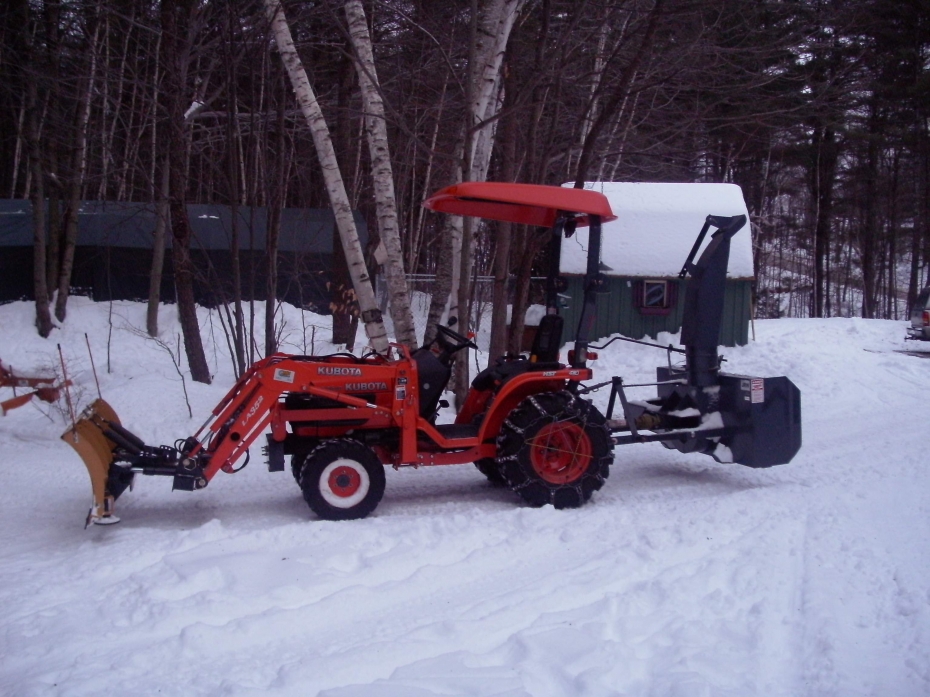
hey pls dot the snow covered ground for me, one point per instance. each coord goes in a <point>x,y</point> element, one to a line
<point>682,577</point>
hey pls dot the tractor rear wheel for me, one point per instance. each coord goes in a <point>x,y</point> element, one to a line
<point>554,448</point>
<point>342,479</point>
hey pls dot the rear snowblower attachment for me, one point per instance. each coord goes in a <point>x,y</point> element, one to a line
<point>99,438</point>
<point>748,420</point>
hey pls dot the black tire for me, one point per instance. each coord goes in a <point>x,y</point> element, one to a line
<point>342,480</point>
<point>555,448</point>
<point>297,459</point>
<point>297,464</point>
<point>488,467</point>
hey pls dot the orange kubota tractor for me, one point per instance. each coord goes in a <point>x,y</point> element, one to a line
<point>525,422</point>
<point>341,418</point>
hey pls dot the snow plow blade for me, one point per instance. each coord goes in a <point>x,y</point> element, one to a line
<point>95,436</point>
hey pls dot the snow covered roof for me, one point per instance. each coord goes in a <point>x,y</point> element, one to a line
<point>656,226</point>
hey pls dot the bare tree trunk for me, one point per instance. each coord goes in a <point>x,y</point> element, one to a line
<point>184,285</point>
<point>416,234</point>
<point>596,77</point>
<point>232,161</point>
<point>921,229</point>
<point>465,288</point>
<point>53,53</point>
<point>443,283</point>
<point>892,306</point>
<point>522,292</point>
<point>275,205</point>
<point>158,253</point>
<point>382,175</point>
<point>52,261</point>
<point>870,228</point>
<point>342,302</point>
<point>310,108</point>
<point>26,55</point>
<point>823,174</point>
<point>454,227</point>
<point>78,167</point>
<point>620,93</point>
<point>235,192</point>
<point>176,19</point>
<point>18,150</point>
<point>37,196</point>
<point>498,344</point>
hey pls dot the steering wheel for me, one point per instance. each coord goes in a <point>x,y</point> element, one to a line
<point>451,340</point>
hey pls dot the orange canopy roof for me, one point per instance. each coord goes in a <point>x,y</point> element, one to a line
<point>531,204</point>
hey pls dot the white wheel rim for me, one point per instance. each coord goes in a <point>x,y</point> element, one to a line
<point>332,495</point>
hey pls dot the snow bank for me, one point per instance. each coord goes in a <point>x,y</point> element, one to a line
<point>656,226</point>
<point>681,577</point>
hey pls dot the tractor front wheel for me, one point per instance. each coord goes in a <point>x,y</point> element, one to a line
<point>342,480</point>
<point>297,464</point>
<point>298,458</point>
<point>554,448</point>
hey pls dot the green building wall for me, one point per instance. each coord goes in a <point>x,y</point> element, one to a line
<point>616,313</point>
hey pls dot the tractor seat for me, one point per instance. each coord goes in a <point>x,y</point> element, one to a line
<point>504,370</point>
<point>545,350</point>
<point>433,377</point>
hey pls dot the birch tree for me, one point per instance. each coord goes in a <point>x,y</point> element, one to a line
<point>382,174</point>
<point>488,38</point>
<point>335,188</point>
<point>493,24</point>
<point>491,28</point>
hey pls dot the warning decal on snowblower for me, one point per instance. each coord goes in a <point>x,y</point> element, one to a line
<point>757,391</point>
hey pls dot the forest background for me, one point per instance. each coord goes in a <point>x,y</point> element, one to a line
<point>818,109</point>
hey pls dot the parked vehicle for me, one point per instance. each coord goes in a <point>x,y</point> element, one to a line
<point>920,317</point>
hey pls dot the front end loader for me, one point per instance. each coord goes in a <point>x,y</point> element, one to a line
<point>526,422</point>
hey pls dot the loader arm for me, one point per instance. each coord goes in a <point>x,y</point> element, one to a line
<point>254,403</point>
<point>113,455</point>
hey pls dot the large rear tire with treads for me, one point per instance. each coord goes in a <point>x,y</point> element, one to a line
<point>555,448</point>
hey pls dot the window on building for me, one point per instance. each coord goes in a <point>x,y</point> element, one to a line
<point>656,296</point>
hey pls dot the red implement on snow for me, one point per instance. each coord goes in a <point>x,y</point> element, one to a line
<point>46,389</point>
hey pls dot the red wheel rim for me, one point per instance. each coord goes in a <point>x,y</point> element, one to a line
<point>344,481</point>
<point>560,452</point>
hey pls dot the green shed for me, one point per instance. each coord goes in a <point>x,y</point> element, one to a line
<point>643,252</point>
